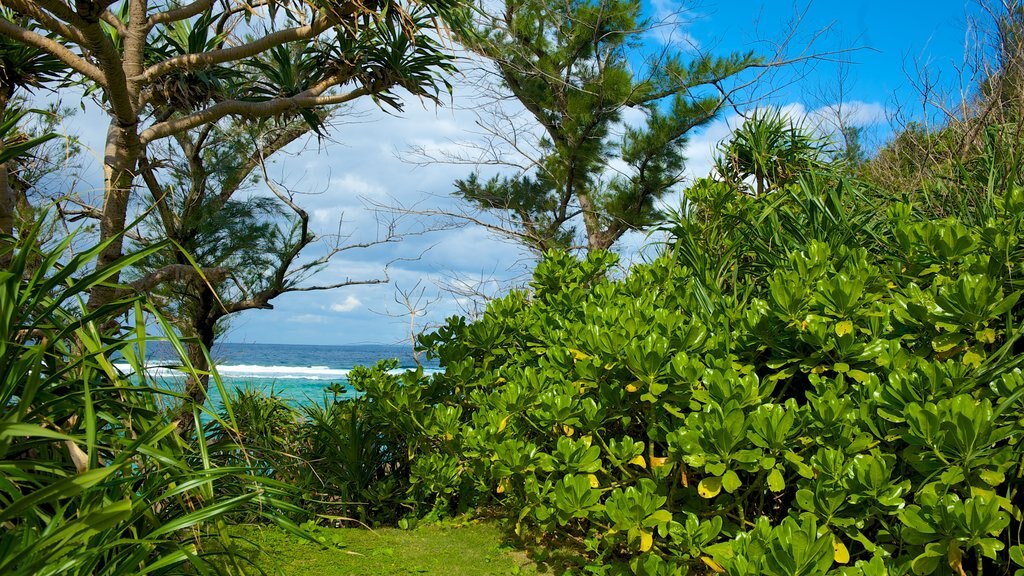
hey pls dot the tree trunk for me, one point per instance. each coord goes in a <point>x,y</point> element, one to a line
<point>122,156</point>
<point>597,238</point>
<point>8,200</point>
<point>197,385</point>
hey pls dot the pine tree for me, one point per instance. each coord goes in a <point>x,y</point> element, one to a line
<point>576,66</point>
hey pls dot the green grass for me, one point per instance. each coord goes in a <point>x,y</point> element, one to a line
<point>477,548</point>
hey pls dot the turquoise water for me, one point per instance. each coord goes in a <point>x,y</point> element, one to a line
<point>297,373</point>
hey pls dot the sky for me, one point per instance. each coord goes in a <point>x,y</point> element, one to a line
<point>871,51</point>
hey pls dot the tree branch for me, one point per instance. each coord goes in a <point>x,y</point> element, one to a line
<point>262,109</point>
<point>48,21</point>
<point>56,49</point>
<point>235,53</point>
<point>173,273</point>
<point>178,14</point>
<point>114,21</point>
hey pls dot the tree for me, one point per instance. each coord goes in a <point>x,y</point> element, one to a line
<point>163,68</point>
<point>249,248</point>
<point>577,67</point>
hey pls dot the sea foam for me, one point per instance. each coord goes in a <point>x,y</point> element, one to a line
<point>267,372</point>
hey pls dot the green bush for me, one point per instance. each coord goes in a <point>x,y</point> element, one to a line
<point>838,389</point>
<point>342,458</point>
<point>354,466</point>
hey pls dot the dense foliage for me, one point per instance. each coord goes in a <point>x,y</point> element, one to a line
<point>803,383</point>
<point>94,475</point>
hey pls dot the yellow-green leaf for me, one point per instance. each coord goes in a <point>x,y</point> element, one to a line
<point>972,358</point>
<point>710,562</point>
<point>646,540</point>
<point>840,554</point>
<point>992,477</point>
<point>955,558</point>
<point>579,355</point>
<point>731,481</point>
<point>843,328</point>
<point>639,461</point>
<point>709,487</point>
<point>776,482</point>
<point>859,375</point>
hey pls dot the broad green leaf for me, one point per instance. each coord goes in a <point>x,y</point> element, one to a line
<point>731,481</point>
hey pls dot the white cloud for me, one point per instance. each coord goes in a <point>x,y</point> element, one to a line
<point>855,113</point>
<point>308,319</point>
<point>670,21</point>
<point>354,185</point>
<point>349,304</point>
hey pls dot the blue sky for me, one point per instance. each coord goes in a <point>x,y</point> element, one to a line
<point>364,163</point>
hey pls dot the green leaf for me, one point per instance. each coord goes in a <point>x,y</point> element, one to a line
<point>660,517</point>
<point>992,477</point>
<point>731,481</point>
<point>947,342</point>
<point>60,490</point>
<point>776,482</point>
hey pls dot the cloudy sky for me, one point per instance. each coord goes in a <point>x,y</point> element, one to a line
<point>368,161</point>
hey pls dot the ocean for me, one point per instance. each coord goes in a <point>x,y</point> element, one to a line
<point>297,373</point>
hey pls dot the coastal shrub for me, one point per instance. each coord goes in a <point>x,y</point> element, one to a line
<point>832,387</point>
<point>354,465</point>
<point>336,459</point>
<point>259,430</point>
<point>94,476</point>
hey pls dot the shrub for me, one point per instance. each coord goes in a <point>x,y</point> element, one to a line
<point>839,391</point>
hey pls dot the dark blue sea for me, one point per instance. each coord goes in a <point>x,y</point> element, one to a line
<point>297,373</point>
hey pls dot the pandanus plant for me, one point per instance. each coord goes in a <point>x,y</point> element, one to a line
<point>94,476</point>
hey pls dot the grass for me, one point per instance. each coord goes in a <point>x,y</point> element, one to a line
<point>476,548</point>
